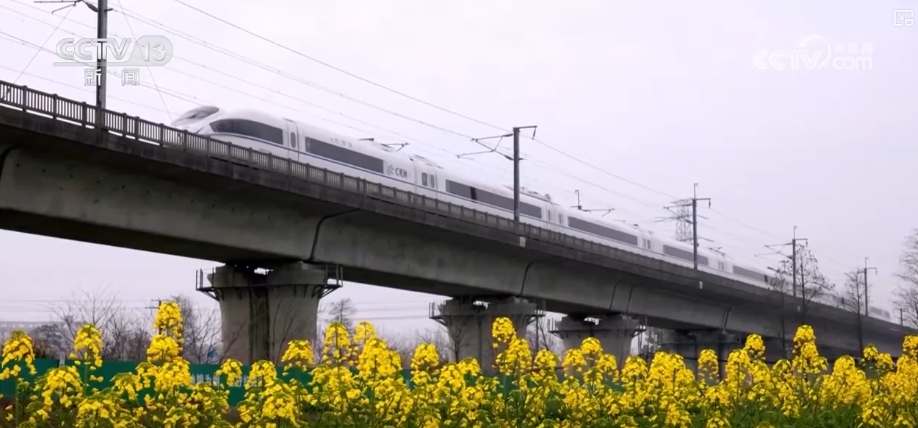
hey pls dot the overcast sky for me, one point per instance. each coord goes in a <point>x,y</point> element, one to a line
<point>664,94</point>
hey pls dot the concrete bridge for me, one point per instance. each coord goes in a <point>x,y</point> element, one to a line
<point>136,184</point>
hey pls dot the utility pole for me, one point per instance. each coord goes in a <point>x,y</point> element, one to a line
<point>860,319</point>
<point>866,296</point>
<point>694,203</point>
<point>794,264</point>
<point>101,11</point>
<point>793,258</point>
<point>516,161</point>
<point>516,169</point>
<point>102,33</point>
<point>860,322</point>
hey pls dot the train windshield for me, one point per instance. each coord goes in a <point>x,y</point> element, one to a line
<point>195,115</point>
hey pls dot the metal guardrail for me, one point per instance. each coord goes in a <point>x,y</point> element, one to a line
<point>31,100</point>
<point>139,129</point>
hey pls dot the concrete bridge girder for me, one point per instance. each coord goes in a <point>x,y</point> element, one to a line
<point>211,209</point>
<point>166,215</point>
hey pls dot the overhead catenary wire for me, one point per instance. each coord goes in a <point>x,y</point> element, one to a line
<point>535,161</point>
<point>545,144</point>
<point>312,85</point>
<point>175,94</point>
<point>35,55</point>
<point>564,173</point>
<point>152,77</point>
<point>548,167</point>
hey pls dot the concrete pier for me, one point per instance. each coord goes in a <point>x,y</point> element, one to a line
<point>615,333</point>
<point>261,313</point>
<point>689,345</point>
<point>468,324</point>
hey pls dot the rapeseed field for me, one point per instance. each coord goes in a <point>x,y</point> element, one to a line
<point>357,382</point>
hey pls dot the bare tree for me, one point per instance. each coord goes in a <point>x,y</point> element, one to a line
<point>853,299</point>
<point>49,342</point>
<point>126,337</point>
<point>458,335</point>
<point>121,329</point>
<point>652,340</point>
<point>342,311</point>
<point>289,322</point>
<point>907,293</point>
<point>853,296</point>
<point>810,282</point>
<point>540,337</point>
<point>779,282</point>
<point>201,335</point>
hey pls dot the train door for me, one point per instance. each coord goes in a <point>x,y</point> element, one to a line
<point>294,145</point>
<point>426,174</point>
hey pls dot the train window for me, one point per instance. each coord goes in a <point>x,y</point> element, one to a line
<point>459,189</point>
<point>250,129</point>
<point>424,178</point>
<point>647,244</point>
<point>720,265</point>
<point>293,140</point>
<point>433,181</point>
<point>748,273</point>
<point>596,229</point>
<point>489,198</point>
<point>688,255</point>
<point>340,154</point>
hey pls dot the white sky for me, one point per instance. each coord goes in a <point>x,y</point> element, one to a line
<point>662,94</point>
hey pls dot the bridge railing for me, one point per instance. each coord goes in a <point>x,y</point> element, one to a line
<point>31,100</point>
<point>84,114</point>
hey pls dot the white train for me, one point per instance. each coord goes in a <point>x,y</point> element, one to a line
<point>379,163</point>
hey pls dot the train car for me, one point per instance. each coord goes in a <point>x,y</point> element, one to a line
<point>364,158</point>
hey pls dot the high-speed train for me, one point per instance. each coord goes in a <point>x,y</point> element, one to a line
<point>379,163</point>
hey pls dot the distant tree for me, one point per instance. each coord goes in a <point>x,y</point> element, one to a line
<point>810,282</point>
<point>201,335</point>
<point>49,342</point>
<point>652,340</point>
<point>853,293</point>
<point>435,337</point>
<point>342,311</point>
<point>907,293</point>
<point>780,283</point>
<point>540,337</point>
<point>124,335</point>
<point>853,299</point>
<point>406,344</point>
<point>289,322</point>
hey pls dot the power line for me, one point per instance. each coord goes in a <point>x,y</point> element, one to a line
<point>316,86</point>
<point>81,88</point>
<point>174,94</point>
<point>204,43</point>
<point>38,51</point>
<point>150,72</point>
<point>693,202</point>
<point>338,69</point>
<point>563,172</point>
<point>639,200</point>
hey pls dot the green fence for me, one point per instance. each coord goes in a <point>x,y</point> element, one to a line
<point>200,373</point>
